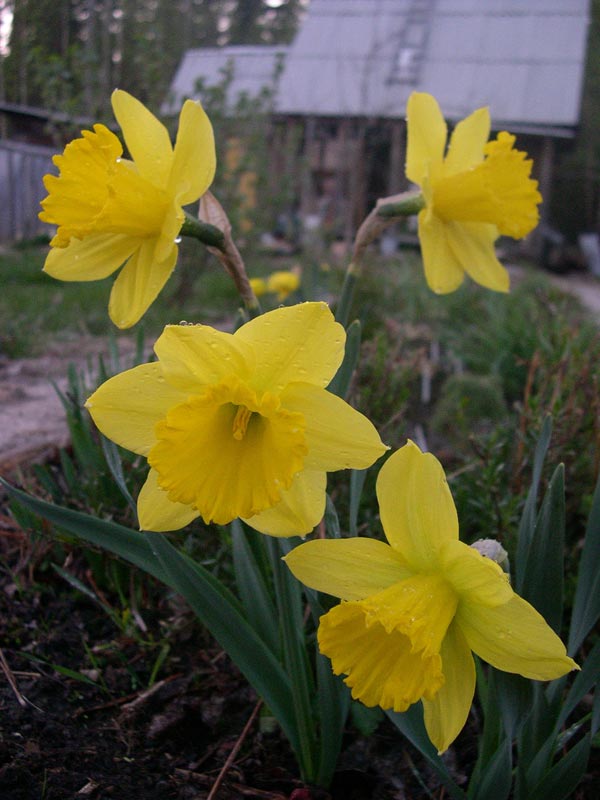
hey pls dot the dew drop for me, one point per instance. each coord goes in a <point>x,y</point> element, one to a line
<point>178,240</point>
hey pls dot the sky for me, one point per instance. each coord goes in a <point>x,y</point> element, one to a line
<point>5,26</point>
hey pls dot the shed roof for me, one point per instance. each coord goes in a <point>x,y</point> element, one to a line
<point>362,58</point>
<point>253,67</point>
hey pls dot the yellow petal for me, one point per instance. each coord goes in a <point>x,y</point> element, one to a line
<point>514,637</point>
<point>90,259</point>
<point>138,284</point>
<point>427,135</point>
<point>351,569</point>
<point>127,407</point>
<point>297,343</point>
<point>194,157</point>
<point>475,578</point>
<point>473,245</point>
<point>194,356</point>
<point>446,713</point>
<point>467,142</point>
<point>301,507</point>
<point>417,511</point>
<point>157,513</point>
<point>443,270</point>
<point>337,436</point>
<point>228,452</point>
<point>147,139</point>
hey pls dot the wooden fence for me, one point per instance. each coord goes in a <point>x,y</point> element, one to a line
<point>22,167</point>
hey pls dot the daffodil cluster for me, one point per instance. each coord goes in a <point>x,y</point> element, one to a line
<point>414,609</point>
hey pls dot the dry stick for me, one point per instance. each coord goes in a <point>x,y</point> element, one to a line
<point>11,680</point>
<point>234,752</point>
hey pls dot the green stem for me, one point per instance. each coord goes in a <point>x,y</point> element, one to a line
<point>347,294</point>
<point>295,657</point>
<point>208,234</point>
<point>410,205</point>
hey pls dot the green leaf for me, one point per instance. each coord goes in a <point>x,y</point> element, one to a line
<point>115,465</point>
<point>527,525</point>
<point>130,545</point>
<point>595,714</point>
<point>333,703</point>
<point>410,724</point>
<point>291,618</point>
<point>254,593</point>
<point>514,698</point>
<point>496,780</point>
<point>211,604</point>
<point>543,576</point>
<point>214,605</point>
<point>357,482</point>
<point>332,522</point>
<point>560,781</point>
<point>584,681</point>
<point>341,380</point>
<point>586,605</point>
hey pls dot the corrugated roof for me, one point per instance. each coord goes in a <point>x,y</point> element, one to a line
<point>523,58</point>
<point>253,69</point>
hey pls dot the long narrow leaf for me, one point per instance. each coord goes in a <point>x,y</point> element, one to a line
<point>560,782</point>
<point>543,576</point>
<point>289,604</point>
<point>586,606</point>
<point>254,594</point>
<point>357,482</point>
<point>496,780</point>
<point>341,380</point>
<point>333,706</point>
<point>243,645</point>
<point>584,681</point>
<point>410,724</point>
<point>527,524</point>
<point>130,545</point>
<point>115,465</point>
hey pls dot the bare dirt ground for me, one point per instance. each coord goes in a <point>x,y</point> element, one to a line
<point>32,418</point>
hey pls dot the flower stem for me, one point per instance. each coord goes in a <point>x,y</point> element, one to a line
<point>206,233</point>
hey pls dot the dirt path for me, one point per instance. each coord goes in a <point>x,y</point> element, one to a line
<point>32,418</point>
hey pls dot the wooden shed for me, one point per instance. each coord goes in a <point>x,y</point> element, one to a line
<point>347,76</point>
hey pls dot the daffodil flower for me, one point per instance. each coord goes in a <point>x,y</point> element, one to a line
<point>112,211</point>
<point>282,283</point>
<point>239,425</point>
<point>474,193</point>
<point>414,609</point>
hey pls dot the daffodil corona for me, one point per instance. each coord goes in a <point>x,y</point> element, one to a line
<point>414,609</point>
<point>239,425</point>
<point>112,211</point>
<point>475,192</point>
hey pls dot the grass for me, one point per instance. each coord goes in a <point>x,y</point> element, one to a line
<point>35,307</point>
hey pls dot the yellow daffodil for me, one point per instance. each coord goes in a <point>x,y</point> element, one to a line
<point>283,283</point>
<point>259,286</point>
<point>112,211</point>
<point>475,192</point>
<point>414,609</point>
<point>239,425</point>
